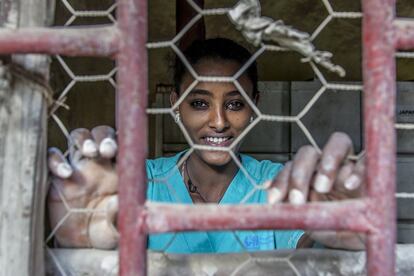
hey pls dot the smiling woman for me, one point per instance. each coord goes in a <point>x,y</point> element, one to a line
<point>214,115</point>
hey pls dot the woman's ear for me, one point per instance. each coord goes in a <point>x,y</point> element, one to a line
<point>256,97</point>
<point>173,98</point>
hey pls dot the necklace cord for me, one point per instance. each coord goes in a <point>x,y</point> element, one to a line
<point>193,189</point>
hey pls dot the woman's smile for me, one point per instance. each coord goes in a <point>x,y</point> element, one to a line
<point>218,141</point>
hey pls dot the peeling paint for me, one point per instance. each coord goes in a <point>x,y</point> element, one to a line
<point>379,112</point>
<point>73,41</point>
<point>404,34</point>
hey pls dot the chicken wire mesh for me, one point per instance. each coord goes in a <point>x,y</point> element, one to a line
<point>256,37</point>
<point>79,14</point>
<point>315,61</point>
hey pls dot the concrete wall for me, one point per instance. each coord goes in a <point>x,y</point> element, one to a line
<point>300,262</point>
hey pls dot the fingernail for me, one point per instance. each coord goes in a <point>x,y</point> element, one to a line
<point>108,148</point>
<point>113,202</point>
<point>274,195</point>
<point>296,197</point>
<point>64,170</point>
<point>89,148</point>
<point>352,182</point>
<point>322,184</point>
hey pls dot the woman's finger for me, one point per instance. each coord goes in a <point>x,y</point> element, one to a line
<point>278,187</point>
<point>344,172</point>
<point>334,153</point>
<point>354,181</point>
<point>83,140</point>
<point>302,172</point>
<point>104,137</point>
<point>57,164</point>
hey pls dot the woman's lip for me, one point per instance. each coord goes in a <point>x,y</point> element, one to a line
<point>226,143</point>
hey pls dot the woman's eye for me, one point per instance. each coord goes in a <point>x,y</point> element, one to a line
<point>197,104</point>
<point>235,105</point>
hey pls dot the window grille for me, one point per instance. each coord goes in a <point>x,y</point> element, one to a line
<point>127,43</point>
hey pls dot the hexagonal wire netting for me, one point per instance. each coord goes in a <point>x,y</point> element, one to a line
<point>107,13</point>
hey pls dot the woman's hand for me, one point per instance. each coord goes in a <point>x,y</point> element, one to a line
<point>82,200</point>
<point>328,176</point>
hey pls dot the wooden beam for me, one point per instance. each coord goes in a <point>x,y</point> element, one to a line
<point>23,131</point>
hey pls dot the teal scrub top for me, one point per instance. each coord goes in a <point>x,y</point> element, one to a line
<point>166,185</point>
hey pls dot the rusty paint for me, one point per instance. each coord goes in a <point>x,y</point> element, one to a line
<point>379,108</point>
<point>404,32</point>
<point>132,134</point>
<point>94,41</point>
<point>345,215</point>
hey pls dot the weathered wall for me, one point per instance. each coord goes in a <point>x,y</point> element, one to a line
<point>24,98</point>
<point>301,262</point>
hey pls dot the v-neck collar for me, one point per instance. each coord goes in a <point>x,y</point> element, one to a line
<point>234,193</point>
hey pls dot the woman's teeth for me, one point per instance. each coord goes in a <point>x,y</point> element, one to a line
<point>217,140</point>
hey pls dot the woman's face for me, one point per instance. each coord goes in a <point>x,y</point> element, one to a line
<point>215,113</point>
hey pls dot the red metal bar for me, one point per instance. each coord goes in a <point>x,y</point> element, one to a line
<point>346,215</point>
<point>404,32</point>
<point>379,109</point>
<point>96,41</point>
<point>132,93</point>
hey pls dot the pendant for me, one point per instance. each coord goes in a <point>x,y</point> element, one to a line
<point>192,188</point>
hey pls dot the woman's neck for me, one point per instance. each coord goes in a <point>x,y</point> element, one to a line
<point>211,181</point>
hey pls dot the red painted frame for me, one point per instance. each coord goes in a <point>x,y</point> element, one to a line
<point>374,215</point>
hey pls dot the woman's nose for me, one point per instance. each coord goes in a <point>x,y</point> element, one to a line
<point>218,119</point>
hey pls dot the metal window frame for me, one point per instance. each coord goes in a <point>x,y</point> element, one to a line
<point>125,42</point>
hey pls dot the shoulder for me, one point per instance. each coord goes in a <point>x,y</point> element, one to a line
<point>261,170</point>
